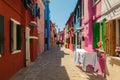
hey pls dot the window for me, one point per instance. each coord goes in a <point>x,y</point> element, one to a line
<point>15,35</point>
<point>99,33</point>
<point>94,1</point>
<point>75,17</point>
<point>1,34</point>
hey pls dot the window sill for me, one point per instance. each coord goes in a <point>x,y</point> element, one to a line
<point>17,51</point>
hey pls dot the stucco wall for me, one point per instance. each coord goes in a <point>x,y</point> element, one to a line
<point>41,23</point>
<point>94,11</point>
<point>11,63</point>
<point>87,24</point>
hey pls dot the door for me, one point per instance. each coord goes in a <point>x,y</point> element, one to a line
<point>110,37</point>
<point>27,35</point>
<point>113,38</point>
<point>107,37</point>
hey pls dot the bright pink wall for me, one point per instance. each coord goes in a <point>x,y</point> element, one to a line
<point>87,23</point>
<point>90,10</point>
<point>92,14</point>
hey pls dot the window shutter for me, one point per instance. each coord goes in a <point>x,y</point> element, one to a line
<point>11,35</point>
<point>103,32</point>
<point>19,29</point>
<point>96,34</point>
<point>1,34</point>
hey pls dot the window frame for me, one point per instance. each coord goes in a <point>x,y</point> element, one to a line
<point>95,2</point>
<point>13,45</point>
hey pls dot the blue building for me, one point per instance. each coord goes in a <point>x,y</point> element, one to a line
<point>76,22</point>
<point>47,24</point>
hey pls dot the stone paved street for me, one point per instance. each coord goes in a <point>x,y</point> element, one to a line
<point>56,64</point>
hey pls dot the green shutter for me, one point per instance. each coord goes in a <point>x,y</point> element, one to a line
<point>1,34</point>
<point>103,33</point>
<point>96,34</point>
<point>18,37</point>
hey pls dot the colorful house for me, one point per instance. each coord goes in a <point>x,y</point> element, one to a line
<point>76,23</point>
<point>65,35</point>
<point>52,35</point>
<point>47,24</point>
<point>70,32</point>
<point>18,35</point>
<point>40,23</point>
<point>100,22</point>
<point>110,11</point>
<point>93,30</point>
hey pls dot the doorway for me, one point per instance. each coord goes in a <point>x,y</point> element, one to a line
<point>27,43</point>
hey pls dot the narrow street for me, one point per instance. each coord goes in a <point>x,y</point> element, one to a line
<point>56,64</point>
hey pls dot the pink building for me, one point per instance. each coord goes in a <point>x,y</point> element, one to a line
<point>91,13</point>
<point>40,23</point>
<point>52,34</point>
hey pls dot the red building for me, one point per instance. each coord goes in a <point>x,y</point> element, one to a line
<point>18,35</point>
<point>70,33</point>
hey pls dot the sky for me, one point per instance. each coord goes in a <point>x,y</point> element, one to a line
<point>60,11</point>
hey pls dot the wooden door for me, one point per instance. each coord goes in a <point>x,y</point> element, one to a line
<point>113,37</point>
<point>107,37</point>
<point>110,37</point>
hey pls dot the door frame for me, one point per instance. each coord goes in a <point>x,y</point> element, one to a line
<point>27,46</point>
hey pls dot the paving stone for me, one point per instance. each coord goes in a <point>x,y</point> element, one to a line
<point>55,64</point>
